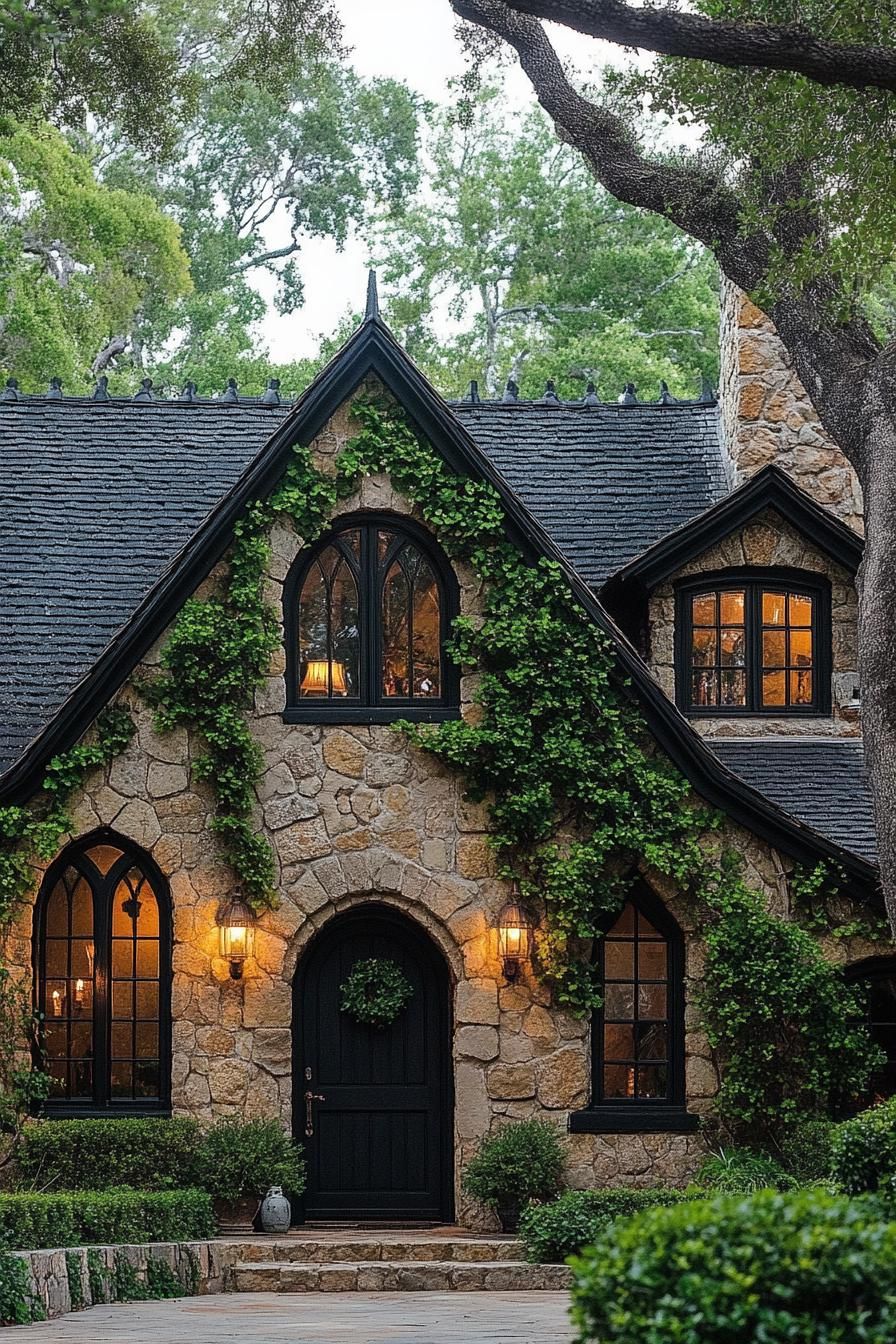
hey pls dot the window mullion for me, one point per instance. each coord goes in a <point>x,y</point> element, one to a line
<point>371,619</point>
<point>753,613</point>
<point>102,925</point>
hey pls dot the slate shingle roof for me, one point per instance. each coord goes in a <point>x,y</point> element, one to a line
<point>99,497</point>
<point>97,500</point>
<point>605,481</point>
<point>819,780</point>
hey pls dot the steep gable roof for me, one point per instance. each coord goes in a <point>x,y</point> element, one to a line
<point>372,350</point>
<point>769,488</point>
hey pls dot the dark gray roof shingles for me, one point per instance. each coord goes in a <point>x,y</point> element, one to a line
<point>98,499</point>
<point>819,780</point>
<point>605,481</point>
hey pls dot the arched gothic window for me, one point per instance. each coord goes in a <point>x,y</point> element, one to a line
<point>638,1078</point>
<point>367,614</point>
<point>102,959</point>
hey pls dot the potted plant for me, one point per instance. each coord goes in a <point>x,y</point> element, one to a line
<point>238,1160</point>
<point>520,1162</point>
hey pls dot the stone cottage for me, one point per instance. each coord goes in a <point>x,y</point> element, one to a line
<point>716,543</point>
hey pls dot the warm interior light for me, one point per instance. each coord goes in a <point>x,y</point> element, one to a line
<point>514,929</point>
<point>236,930</point>
<point>316,680</point>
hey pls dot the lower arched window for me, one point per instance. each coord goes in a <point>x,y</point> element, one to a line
<point>638,1079</point>
<point>102,955</point>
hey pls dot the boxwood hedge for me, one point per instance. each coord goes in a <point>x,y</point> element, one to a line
<point>796,1268</point>
<point>863,1150</point>
<point>551,1232</point>
<point>151,1154</point>
<point>103,1217</point>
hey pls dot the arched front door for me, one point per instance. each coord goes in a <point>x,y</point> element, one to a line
<point>374,1106</point>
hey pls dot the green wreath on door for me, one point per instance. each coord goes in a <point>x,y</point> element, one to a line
<point>375,992</point>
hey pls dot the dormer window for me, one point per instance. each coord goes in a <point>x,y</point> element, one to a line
<point>368,611</point>
<point>753,642</point>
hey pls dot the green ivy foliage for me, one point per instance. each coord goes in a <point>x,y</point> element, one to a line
<point>217,655</point>
<point>579,798</point>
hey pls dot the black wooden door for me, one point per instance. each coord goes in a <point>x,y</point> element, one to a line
<point>381,1109</point>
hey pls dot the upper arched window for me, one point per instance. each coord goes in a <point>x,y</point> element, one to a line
<point>754,642</point>
<point>367,615</point>
<point>102,960</point>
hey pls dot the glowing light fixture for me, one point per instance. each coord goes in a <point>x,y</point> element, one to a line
<point>236,929</point>
<point>514,938</point>
<point>316,680</point>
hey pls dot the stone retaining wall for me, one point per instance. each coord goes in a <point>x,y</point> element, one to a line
<point>204,1263</point>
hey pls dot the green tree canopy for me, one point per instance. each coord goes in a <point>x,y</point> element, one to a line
<point>541,272</point>
<point>261,174</point>
<point>78,259</point>
<point>141,64</point>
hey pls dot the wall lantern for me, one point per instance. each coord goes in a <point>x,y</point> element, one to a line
<point>514,937</point>
<point>316,680</point>
<point>236,930</point>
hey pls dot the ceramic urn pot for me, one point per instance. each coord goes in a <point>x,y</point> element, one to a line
<point>276,1213</point>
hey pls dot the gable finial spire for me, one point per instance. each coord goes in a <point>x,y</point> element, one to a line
<point>373,299</point>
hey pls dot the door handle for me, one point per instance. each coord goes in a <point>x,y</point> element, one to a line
<point>309,1118</point>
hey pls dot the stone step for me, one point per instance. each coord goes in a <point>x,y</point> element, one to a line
<point>396,1276</point>
<point>458,1250</point>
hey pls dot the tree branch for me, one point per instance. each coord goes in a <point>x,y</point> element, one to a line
<point>692,196</point>
<point>115,347</point>
<point>672,32</point>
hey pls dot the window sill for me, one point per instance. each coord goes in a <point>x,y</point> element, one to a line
<point>369,714</point>
<point>91,1110</point>
<point>633,1120</point>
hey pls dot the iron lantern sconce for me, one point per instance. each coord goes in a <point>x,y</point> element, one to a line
<point>514,938</point>
<point>236,931</point>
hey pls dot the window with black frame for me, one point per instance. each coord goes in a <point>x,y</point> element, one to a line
<point>638,1032</point>
<point>877,979</point>
<point>368,611</point>
<point>102,953</point>
<point>751,643</point>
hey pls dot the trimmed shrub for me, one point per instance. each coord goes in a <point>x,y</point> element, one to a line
<point>863,1150</point>
<point>552,1232</point>
<point>18,1304</point>
<point>238,1158</point>
<point>806,1150</point>
<point>103,1217</point>
<point>806,1267</point>
<point>522,1161</point>
<point>154,1154</point>
<point>739,1171</point>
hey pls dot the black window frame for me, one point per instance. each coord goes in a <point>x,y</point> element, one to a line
<point>643,1114</point>
<point>75,855</point>
<point>754,580</point>
<point>861,975</point>
<point>372,706</point>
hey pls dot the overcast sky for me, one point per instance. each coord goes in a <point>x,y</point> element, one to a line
<point>412,40</point>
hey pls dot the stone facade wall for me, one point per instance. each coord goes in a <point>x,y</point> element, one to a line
<point>767,415</point>
<point>769,540</point>
<point>354,813</point>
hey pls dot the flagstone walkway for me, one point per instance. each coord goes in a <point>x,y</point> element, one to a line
<point>318,1318</point>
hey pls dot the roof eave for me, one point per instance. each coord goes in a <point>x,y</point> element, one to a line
<point>769,488</point>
